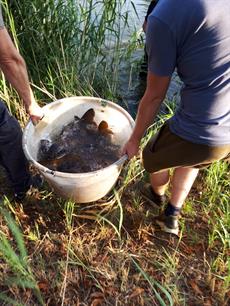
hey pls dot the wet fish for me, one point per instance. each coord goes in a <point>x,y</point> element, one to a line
<point>88,116</point>
<point>66,163</point>
<point>103,128</point>
<point>82,146</point>
<point>45,145</point>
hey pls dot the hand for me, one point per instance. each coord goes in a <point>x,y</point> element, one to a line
<point>131,148</point>
<point>35,112</point>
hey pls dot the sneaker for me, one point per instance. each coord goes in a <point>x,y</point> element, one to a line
<point>168,224</point>
<point>149,195</point>
<point>36,181</point>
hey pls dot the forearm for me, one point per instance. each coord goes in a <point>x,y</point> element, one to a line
<point>14,69</point>
<point>154,95</point>
<point>15,72</point>
<point>147,111</point>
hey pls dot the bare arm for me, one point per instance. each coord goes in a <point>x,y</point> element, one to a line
<point>14,69</point>
<point>154,95</point>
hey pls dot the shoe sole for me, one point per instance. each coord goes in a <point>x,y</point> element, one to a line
<point>166,229</point>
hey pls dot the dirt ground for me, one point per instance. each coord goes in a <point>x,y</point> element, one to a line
<point>78,260</point>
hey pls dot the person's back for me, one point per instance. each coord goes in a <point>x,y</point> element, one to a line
<point>196,37</point>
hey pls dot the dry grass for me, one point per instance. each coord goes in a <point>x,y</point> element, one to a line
<point>81,255</point>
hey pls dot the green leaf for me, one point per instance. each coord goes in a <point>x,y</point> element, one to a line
<point>17,235</point>
<point>153,283</point>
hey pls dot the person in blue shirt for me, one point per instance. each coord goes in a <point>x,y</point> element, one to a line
<point>12,157</point>
<point>193,37</point>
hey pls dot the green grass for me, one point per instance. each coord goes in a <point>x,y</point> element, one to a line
<point>71,47</point>
<point>21,275</point>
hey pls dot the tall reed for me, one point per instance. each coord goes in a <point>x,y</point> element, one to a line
<point>70,47</point>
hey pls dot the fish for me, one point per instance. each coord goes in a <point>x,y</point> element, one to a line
<point>80,147</point>
<point>88,116</point>
<point>103,128</point>
<point>65,163</point>
<point>44,148</point>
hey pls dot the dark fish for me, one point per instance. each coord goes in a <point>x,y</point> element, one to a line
<point>88,116</point>
<point>44,148</point>
<point>65,163</point>
<point>82,146</point>
<point>57,150</point>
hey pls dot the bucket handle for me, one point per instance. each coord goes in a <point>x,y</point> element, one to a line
<point>122,160</point>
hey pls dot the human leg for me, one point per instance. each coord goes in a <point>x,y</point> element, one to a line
<point>159,181</point>
<point>12,156</point>
<point>155,191</point>
<point>168,151</point>
<point>182,181</point>
<point>14,161</point>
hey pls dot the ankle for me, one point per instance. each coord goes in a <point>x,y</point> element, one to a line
<point>172,210</point>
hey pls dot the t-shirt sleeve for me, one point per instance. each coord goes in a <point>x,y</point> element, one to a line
<point>161,47</point>
<point>1,19</point>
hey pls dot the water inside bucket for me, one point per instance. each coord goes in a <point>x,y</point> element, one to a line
<point>82,146</point>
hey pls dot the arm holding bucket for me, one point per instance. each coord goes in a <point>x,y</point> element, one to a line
<point>161,49</point>
<point>154,95</point>
<point>14,69</point>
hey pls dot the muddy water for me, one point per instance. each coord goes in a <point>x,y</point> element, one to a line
<point>131,87</point>
<point>82,146</point>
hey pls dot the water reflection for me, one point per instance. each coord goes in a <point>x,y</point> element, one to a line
<point>131,86</point>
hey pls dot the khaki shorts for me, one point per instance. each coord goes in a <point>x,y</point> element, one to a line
<point>166,150</point>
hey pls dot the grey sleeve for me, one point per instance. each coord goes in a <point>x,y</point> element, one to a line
<point>1,19</point>
<point>161,47</point>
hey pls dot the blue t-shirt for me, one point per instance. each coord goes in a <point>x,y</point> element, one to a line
<point>194,37</point>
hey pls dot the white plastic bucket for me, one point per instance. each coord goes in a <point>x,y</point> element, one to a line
<point>80,187</point>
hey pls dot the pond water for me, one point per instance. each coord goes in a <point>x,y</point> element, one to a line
<point>131,87</point>
<point>137,15</point>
